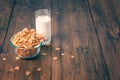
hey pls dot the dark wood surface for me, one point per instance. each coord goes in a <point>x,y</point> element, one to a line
<point>87,30</point>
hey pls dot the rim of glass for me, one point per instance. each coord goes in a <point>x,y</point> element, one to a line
<point>39,10</point>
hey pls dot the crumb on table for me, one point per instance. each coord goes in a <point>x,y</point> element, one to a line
<point>72,56</point>
<point>62,54</point>
<point>4,59</point>
<point>39,69</point>
<point>43,53</point>
<point>55,58</point>
<point>27,73</point>
<point>57,49</point>
<point>17,68</point>
<point>17,58</point>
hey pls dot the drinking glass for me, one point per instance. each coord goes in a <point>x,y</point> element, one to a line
<point>43,24</point>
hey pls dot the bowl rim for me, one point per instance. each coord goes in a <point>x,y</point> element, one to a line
<point>14,46</point>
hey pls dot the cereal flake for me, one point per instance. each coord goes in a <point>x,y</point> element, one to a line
<point>44,54</point>
<point>39,69</point>
<point>55,58</point>
<point>27,73</point>
<point>4,59</point>
<point>62,54</point>
<point>57,49</point>
<point>17,58</point>
<point>72,56</point>
<point>17,68</point>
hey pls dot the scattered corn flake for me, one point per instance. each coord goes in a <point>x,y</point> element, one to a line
<point>11,69</point>
<point>17,68</point>
<point>72,56</point>
<point>4,59</point>
<point>17,58</point>
<point>62,54</point>
<point>27,73</point>
<point>39,69</point>
<point>57,49</point>
<point>54,58</point>
<point>44,54</point>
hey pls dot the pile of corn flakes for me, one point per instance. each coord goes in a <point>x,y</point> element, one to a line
<point>27,38</point>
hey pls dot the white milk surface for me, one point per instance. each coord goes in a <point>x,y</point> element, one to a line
<point>43,26</point>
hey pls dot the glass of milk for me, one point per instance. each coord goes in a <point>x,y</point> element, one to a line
<point>43,24</point>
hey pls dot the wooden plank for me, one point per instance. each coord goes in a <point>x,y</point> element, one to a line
<point>34,5</point>
<point>75,35</point>
<point>61,67</point>
<point>89,53</point>
<point>106,19</point>
<point>5,11</point>
<point>23,16</point>
<point>58,6</point>
<point>61,6</point>
<point>76,5</point>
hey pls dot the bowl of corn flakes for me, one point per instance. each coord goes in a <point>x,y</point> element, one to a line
<point>27,43</point>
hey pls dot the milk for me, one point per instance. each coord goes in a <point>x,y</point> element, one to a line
<point>43,26</point>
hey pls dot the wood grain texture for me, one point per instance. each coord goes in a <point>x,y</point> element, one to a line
<point>24,16</point>
<point>106,20</point>
<point>5,11</point>
<point>75,34</point>
<point>85,31</point>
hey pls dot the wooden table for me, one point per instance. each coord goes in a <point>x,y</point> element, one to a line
<point>86,31</point>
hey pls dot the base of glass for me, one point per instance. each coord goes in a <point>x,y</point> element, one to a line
<point>46,43</point>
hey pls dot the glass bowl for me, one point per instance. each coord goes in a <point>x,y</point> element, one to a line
<point>27,53</point>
